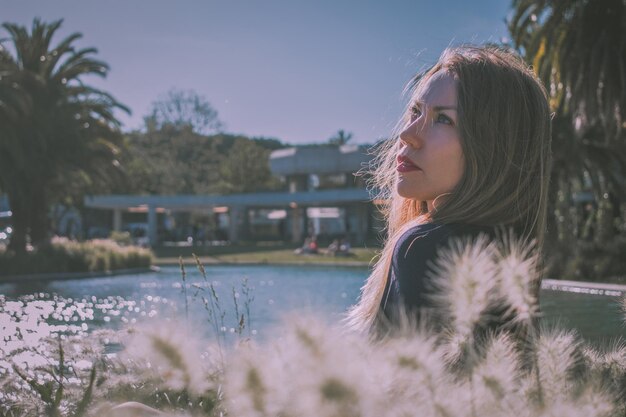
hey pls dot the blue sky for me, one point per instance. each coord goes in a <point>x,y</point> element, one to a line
<point>294,70</point>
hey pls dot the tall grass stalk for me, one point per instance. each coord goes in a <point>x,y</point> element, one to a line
<point>184,287</point>
<point>213,308</point>
<point>248,299</point>
<point>216,313</point>
<point>240,321</point>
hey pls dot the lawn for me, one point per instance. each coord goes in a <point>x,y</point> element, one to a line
<point>360,257</point>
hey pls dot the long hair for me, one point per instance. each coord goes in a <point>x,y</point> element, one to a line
<point>505,131</point>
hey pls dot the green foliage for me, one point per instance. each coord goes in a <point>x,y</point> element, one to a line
<point>64,255</point>
<point>121,238</point>
<point>171,161</point>
<point>60,137</point>
<point>577,49</point>
<point>246,168</point>
<point>590,261</point>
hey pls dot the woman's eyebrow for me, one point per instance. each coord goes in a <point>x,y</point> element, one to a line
<point>437,108</point>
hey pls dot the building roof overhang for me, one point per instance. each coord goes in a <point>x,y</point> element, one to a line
<point>190,202</point>
<point>321,159</point>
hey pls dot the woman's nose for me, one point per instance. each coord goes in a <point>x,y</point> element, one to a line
<point>412,135</point>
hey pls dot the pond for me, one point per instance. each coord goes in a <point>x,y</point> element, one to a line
<point>262,294</point>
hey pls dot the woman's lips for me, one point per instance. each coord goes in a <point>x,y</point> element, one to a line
<point>405,165</point>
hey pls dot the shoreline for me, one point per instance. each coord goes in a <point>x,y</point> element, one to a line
<point>581,287</point>
<point>63,276</point>
<point>220,262</point>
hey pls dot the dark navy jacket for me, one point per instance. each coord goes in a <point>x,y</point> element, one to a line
<point>414,255</point>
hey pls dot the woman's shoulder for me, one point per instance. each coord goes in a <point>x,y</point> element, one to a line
<point>428,237</point>
<point>423,232</point>
<point>435,230</point>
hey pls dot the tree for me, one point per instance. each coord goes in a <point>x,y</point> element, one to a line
<point>182,109</point>
<point>246,168</point>
<point>59,135</point>
<point>578,49</point>
<point>340,138</point>
<point>168,161</point>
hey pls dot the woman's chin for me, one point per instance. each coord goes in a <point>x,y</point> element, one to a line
<point>407,192</point>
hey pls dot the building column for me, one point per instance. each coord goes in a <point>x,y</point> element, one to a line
<point>117,220</point>
<point>297,225</point>
<point>361,211</point>
<point>234,220</point>
<point>152,226</point>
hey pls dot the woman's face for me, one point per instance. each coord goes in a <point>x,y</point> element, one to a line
<point>430,158</point>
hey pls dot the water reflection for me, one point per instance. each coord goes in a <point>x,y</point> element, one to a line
<point>32,312</point>
<point>25,322</point>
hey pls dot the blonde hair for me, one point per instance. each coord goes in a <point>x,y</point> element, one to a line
<point>505,130</point>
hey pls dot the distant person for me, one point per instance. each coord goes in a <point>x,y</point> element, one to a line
<point>333,248</point>
<point>472,155</point>
<point>308,247</point>
<point>344,248</point>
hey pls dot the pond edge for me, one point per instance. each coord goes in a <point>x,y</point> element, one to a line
<point>62,276</point>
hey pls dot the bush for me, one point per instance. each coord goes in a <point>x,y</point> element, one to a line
<point>65,255</point>
<point>121,238</point>
<point>589,261</point>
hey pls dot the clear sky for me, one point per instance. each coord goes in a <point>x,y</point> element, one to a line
<point>294,70</point>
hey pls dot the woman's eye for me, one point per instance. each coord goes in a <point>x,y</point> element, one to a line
<point>442,118</point>
<point>415,112</point>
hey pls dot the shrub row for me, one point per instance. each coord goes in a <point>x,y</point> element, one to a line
<point>589,261</point>
<point>64,255</point>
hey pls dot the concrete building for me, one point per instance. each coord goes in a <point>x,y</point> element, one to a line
<point>322,197</point>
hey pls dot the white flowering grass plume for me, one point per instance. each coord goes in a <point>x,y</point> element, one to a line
<point>414,378</point>
<point>518,273</point>
<point>558,353</point>
<point>465,280</point>
<point>163,368</point>
<point>465,288</point>
<point>316,370</point>
<point>174,355</point>
<point>313,369</point>
<point>606,366</point>
<point>498,377</point>
<point>309,369</point>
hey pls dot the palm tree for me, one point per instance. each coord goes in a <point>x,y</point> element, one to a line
<point>340,138</point>
<point>54,127</point>
<point>578,49</point>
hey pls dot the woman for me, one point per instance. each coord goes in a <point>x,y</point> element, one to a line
<point>472,156</point>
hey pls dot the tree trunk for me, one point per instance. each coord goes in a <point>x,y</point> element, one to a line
<point>19,221</point>
<point>38,222</point>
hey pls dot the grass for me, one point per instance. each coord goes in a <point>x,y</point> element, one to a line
<point>316,369</point>
<point>361,257</point>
